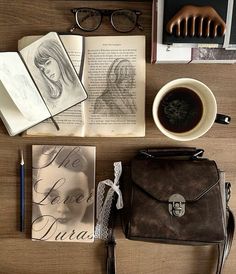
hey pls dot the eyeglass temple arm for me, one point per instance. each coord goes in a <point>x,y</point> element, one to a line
<point>73,28</point>
<point>138,13</point>
<point>139,26</point>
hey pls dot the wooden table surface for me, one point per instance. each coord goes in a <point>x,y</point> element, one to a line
<point>18,254</point>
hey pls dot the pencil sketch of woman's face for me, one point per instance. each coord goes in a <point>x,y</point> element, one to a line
<point>55,76</point>
<point>118,96</point>
<point>51,69</point>
<point>67,196</point>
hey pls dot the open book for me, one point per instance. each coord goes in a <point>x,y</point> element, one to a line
<point>36,83</point>
<point>63,193</point>
<point>113,74</point>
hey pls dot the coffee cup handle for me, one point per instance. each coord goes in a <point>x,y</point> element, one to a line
<point>222,119</point>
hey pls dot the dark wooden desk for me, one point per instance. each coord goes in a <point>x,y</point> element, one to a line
<point>18,254</point>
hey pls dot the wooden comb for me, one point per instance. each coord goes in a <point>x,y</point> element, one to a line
<point>201,21</point>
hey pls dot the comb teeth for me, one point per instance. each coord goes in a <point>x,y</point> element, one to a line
<point>196,21</point>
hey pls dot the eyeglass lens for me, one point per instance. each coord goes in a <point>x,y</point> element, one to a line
<point>123,20</point>
<point>90,19</point>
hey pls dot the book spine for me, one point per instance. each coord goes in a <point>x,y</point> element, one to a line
<point>228,23</point>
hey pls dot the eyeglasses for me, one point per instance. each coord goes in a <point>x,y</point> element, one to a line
<point>122,20</point>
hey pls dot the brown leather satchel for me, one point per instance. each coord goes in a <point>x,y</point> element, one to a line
<point>176,196</point>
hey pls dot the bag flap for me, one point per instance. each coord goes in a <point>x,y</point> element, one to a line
<point>165,177</point>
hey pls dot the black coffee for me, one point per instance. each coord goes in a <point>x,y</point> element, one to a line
<point>180,110</point>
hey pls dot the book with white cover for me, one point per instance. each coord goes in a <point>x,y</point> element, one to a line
<point>63,186</point>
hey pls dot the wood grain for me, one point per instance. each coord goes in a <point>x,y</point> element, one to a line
<point>18,254</point>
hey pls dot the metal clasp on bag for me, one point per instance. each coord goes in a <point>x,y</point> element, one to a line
<point>177,205</point>
<point>198,154</point>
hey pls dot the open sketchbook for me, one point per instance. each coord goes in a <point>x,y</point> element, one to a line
<point>113,74</point>
<point>63,193</point>
<point>36,83</point>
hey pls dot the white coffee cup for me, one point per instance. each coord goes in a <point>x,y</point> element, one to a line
<point>209,109</point>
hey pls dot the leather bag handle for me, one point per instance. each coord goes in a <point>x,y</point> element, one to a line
<point>111,258</point>
<point>189,152</point>
<point>224,248</point>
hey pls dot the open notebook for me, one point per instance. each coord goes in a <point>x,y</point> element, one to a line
<point>37,83</point>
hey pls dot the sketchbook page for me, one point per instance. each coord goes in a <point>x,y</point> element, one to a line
<point>114,77</point>
<point>71,120</point>
<point>53,72</point>
<point>21,105</point>
<point>63,187</point>
<point>27,40</point>
<point>72,43</point>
